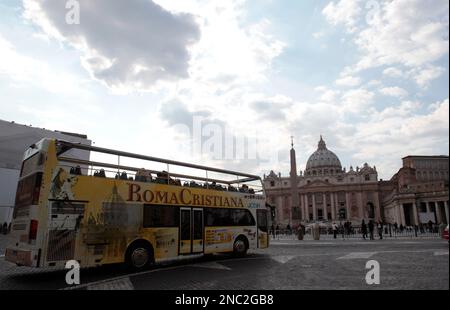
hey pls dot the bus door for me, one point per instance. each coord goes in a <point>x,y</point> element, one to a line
<point>191,230</point>
<point>197,231</point>
<point>263,229</point>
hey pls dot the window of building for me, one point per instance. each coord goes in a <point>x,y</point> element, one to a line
<point>296,215</point>
<point>351,179</point>
<point>367,177</point>
<point>272,183</point>
<point>423,207</point>
<point>320,214</point>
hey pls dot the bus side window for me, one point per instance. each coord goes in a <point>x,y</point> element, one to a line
<point>160,216</point>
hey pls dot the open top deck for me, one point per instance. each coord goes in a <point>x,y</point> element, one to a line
<point>228,180</point>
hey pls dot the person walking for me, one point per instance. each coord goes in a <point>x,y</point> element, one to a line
<point>380,230</point>
<point>371,228</point>
<point>335,229</point>
<point>364,229</point>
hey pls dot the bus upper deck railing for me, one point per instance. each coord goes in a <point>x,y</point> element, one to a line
<point>126,172</point>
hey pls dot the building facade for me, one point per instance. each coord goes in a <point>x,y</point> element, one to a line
<point>327,192</point>
<point>14,140</point>
<point>419,192</point>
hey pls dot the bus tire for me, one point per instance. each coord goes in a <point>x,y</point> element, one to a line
<point>240,246</point>
<point>140,255</point>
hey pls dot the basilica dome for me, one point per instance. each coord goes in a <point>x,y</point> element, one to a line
<point>323,161</point>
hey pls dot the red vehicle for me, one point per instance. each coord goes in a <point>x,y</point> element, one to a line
<point>445,233</point>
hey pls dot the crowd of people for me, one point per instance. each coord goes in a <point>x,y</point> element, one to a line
<point>143,175</point>
<point>367,230</point>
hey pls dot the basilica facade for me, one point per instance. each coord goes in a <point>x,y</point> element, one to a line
<point>327,192</point>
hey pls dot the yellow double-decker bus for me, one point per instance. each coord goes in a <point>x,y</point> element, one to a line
<point>98,212</point>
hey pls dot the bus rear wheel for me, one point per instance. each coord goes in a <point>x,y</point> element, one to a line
<point>140,257</point>
<point>240,247</point>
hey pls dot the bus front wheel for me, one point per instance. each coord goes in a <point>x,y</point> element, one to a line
<point>240,247</point>
<point>140,256</point>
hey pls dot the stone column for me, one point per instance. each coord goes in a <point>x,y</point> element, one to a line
<point>306,206</point>
<point>446,210</point>
<point>336,204</point>
<point>347,204</point>
<point>280,215</point>
<point>325,211</point>
<point>333,209</point>
<point>361,207</point>
<point>314,207</point>
<point>402,215</point>
<point>302,202</point>
<point>438,212</point>
<point>415,213</point>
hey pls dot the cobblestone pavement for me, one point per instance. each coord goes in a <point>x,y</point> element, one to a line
<point>287,264</point>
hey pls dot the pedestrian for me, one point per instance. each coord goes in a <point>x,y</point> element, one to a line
<point>346,228</point>
<point>272,230</point>
<point>277,230</point>
<point>380,230</point>
<point>430,226</point>
<point>335,229</point>
<point>364,229</point>
<point>5,228</point>
<point>288,228</point>
<point>371,228</point>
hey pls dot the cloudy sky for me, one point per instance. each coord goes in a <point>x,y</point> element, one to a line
<point>226,83</point>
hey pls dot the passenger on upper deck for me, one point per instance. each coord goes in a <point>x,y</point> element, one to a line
<point>143,175</point>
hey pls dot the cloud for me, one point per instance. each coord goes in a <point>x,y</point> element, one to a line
<point>423,77</point>
<point>401,132</point>
<point>125,44</point>
<point>273,108</point>
<point>357,100</point>
<point>408,32</point>
<point>345,12</point>
<point>394,92</point>
<point>399,33</point>
<point>329,95</point>
<point>393,72</point>
<point>176,112</point>
<point>348,81</point>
